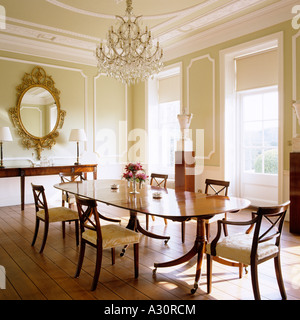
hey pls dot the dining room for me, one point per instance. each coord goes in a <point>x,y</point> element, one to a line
<point>139,139</point>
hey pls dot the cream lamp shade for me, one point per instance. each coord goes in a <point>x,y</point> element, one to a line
<point>77,135</point>
<point>5,135</point>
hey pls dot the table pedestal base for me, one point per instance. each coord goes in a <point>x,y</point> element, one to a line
<point>197,249</point>
<point>134,225</point>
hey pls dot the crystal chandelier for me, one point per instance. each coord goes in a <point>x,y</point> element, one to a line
<point>129,55</point>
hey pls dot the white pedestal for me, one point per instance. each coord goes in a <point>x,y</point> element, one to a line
<point>184,145</point>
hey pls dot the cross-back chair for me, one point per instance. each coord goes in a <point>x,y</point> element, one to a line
<point>70,177</point>
<point>102,237</point>
<point>157,180</point>
<point>252,248</point>
<point>215,187</point>
<point>49,215</point>
<point>70,198</point>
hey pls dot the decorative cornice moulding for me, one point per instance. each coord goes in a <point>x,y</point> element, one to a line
<point>54,43</point>
<point>253,22</point>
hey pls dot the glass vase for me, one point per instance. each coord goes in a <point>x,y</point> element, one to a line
<point>134,191</point>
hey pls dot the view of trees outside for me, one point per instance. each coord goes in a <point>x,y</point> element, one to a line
<point>260,131</point>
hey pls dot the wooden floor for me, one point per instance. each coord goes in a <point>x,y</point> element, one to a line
<point>50,276</point>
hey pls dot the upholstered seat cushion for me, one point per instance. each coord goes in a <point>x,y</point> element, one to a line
<point>112,236</point>
<point>59,214</point>
<point>238,248</point>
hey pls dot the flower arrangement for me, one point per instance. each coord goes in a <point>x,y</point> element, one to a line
<point>134,172</point>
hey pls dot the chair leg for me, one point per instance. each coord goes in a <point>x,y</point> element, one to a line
<point>45,236</point>
<point>254,279</point>
<point>209,272</point>
<point>207,229</point>
<point>225,227</point>
<point>97,269</point>
<point>77,232</point>
<point>166,222</point>
<point>80,258</point>
<point>63,229</point>
<point>241,266</point>
<point>147,221</point>
<point>37,224</point>
<point>279,277</point>
<point>113,256</point>
<point>136,259</point>
<point>183,231</point>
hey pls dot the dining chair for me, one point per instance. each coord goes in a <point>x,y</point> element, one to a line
<point>70,198</point>
<point>157,180</point>
<point>215,187</point>
<point>50,215</point>
<point>67,197</point>
<point>252,248</point>
<point>102,237</point>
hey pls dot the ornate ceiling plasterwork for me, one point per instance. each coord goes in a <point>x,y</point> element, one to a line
<point>172,28</point>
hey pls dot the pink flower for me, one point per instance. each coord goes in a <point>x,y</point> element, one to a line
<point>133,167</point>
<point>141,177</point>
<point>127,175</point>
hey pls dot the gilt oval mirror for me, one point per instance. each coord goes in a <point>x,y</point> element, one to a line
<point>38,112</point>
<point>37,115</point>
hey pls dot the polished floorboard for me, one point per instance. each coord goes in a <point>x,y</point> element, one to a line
<point>50,276</point>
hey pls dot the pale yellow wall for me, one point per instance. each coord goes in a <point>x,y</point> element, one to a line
<point>201,99</point>
<point>95,103</point>
<point>110,115</point>
<point>90,102</point>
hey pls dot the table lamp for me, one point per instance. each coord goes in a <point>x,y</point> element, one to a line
<point>77,135</point>
<point>5,135</point>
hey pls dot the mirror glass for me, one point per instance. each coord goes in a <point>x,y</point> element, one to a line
<point>38,112</point>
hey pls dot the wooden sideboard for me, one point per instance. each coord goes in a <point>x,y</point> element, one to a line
<point>44,171</point>
<point>295,192</point>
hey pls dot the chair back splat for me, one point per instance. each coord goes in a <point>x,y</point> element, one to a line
<point>217,186</point>
<point>159,180</point>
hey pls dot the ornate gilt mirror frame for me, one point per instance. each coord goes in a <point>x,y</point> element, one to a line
<point>37,78</point>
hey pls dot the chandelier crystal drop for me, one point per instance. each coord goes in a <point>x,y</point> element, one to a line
<point>129,54</point>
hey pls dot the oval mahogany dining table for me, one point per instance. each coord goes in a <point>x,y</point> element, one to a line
<point>176,205</point>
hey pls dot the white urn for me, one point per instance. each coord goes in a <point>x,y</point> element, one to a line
<point>296,106</point>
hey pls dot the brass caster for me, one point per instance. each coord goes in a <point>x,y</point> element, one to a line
<point>194,289</point>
